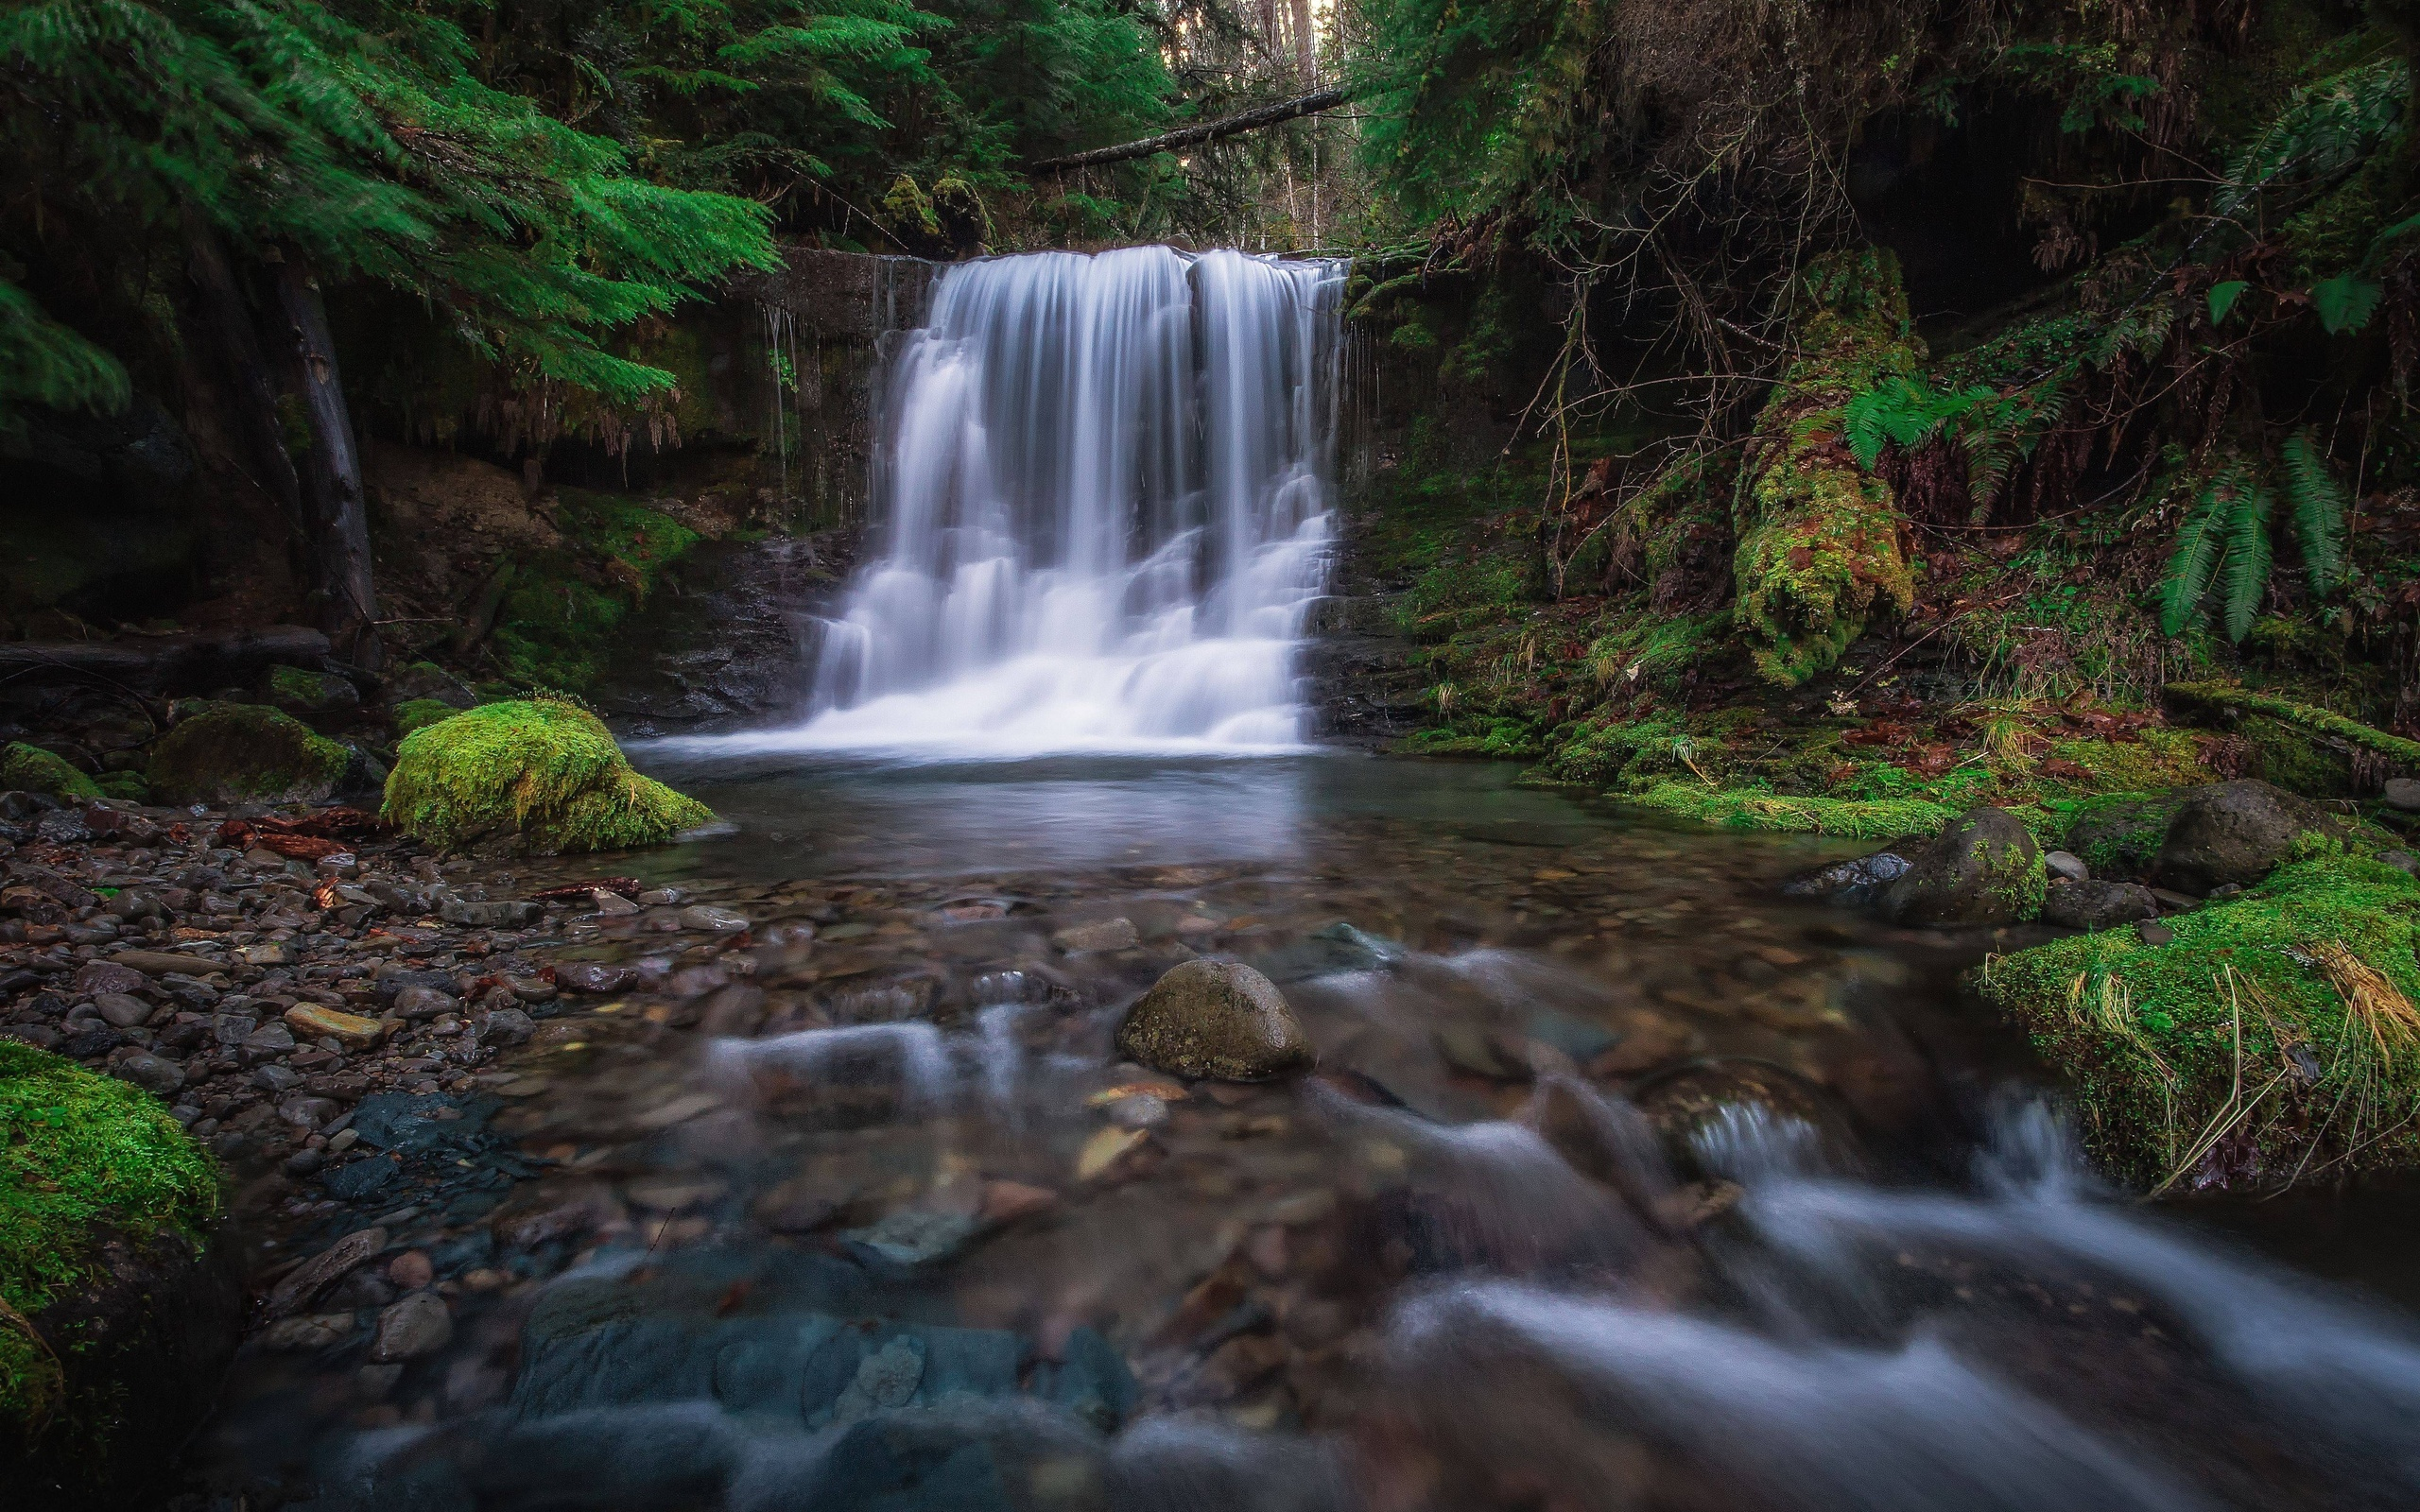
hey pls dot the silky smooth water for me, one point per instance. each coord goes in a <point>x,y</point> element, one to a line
<point>1103,509</point>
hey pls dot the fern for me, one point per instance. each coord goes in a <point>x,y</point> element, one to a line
<point>2317,507</point>
<point>2200,544</point>
<point>2245,575</point>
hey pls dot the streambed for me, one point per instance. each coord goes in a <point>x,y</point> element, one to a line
<point>1625,1182</point>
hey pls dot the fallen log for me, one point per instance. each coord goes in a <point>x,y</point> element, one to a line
<point>167,664</point>
<point>1186,136</point>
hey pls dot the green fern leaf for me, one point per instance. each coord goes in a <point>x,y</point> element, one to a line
<point>2200,542</point>
<point>2346,303</point>
<point>2245,576</point>
<point>2317,507</point>
<point>2223,298</point>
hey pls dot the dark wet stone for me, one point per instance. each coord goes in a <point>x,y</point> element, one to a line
<point>1330,951</point>
<point>361,1178</point>
<point>1855,884</point>
<point>1983,868</point>
<point>594,976</point>
<point>911,1238</point>
<point>2097,904</point>
<point>2153,932</point>
<point>2234,832</point>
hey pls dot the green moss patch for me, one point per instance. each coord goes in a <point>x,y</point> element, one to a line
<point>307,691</point>
<point>540,776</point>
<point>245,753</point>
<point>78,1153</point>
<point>2229,1054</point>
<point>132,786</point>
<point>32,769</point>
<point>418,713</point>
<point>555,627</point>
<point>1747,809</point>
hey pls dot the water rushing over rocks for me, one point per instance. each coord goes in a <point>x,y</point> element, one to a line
<point>1623,1182</point>
<point>1103,511</point>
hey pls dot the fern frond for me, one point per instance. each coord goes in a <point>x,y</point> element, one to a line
<point>2245,576</point>
<point>2317,506</point>
<point>2200,542</point>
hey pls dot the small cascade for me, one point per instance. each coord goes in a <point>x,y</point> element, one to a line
<point>1103,511</point>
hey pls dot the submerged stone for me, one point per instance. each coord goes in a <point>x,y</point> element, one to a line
<point>1216,1020</point>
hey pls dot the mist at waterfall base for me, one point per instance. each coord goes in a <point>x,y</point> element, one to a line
<point>1102,513</point>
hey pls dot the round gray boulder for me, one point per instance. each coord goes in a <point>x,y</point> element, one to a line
<point>1983,868</point>
<point>1215,1020</point>
<point>2233,832</point>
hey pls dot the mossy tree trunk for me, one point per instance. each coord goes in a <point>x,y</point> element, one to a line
<point>1820,538</point>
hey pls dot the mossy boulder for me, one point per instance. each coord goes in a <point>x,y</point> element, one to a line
<point>2272,1038</point>
<point>1820,547</point>
<point>297,690</point>
<point>1983,869</point>
<point>2235,833</point>
<point>132,786</point>
<point>418,713</point>
<point>245,753</point>
<point>121,1308</point>
<point>537,776</point>
<point>1215,1020</point>
<point>32,769</point>
<point>2119,835</point>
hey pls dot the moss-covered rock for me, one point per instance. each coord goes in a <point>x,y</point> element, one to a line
<point>2271,1039</point>
<point>300,691</point>
<point>2235,833</point>
<point>1820,548</point>
<point>132,786</point>
<point>418,713</point>
<point>32,769</point>
<point>119,1311</point>
<point>245,753</point>
<point>2119,835</point>
<point>1986,868</point>
<point>539,777</point>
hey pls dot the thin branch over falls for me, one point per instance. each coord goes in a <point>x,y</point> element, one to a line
<point>1251,120</point>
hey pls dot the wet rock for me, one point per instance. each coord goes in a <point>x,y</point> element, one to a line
<point>2152,932</point>
<point>2233,832</point>
<point>1736,1118</point>
<point>317,1331</point>
<point>411,1270</point>
<point>417,1326</point>
<point>1108,1147</point>
<point>97,977</point>
<point>509,915</point>
<point>273,953</point>
<point>1983,868</point>
<point>2097,904</point>
<point>151,1072</point>
<point>1005,1202</point>
<point>314,1022</point>
<point>2403,793</point>
<point>122,1012</point>
<point>711,920</point>
<point>425,1003</point>
<point>1215,1019</point>
<point>2062,864</point>
<point>1103,934</point>
<point>63,826</point>
<point>911,1238</point>
<point>164,963</point>
<point>1856,884</point>
<point>594,976</point>
<point>510,1026</point>
<point>1142,1110</point>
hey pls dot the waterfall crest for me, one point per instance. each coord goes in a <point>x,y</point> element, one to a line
<point>1105,510</point>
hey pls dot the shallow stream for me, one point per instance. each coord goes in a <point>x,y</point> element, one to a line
<point>1625,1182</point>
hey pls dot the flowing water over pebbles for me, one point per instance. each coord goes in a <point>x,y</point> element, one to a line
<point>1625,1182</point>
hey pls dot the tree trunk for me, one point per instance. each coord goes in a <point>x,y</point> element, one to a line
<point>252,381</point>
<point>336,517</point>
<point>1251,120</point>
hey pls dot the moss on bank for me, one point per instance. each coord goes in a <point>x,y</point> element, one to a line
<point>539,776</point>
<point>2273,1038</point>
<point>555,625</point>
<point>32,769</point>
<point>245,753</point>
<point>1748,809</point>
<point>418,713</point>
<point>80,1154</point>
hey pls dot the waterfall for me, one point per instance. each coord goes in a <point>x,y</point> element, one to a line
<point>1103,510</point>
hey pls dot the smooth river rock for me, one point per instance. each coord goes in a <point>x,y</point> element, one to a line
<point>1983,868</point>
<point>2233,832</point>
<point>1215,1020</point>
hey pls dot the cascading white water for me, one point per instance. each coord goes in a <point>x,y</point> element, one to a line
<point>1103,511</point>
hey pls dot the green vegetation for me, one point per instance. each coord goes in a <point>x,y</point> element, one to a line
<point>554,628</point>
<point>540,776</point>
<point>418,713</point>
<point>2272,1040</point>
<point>2303,717</point>
<point>32,769</point>
<point>303,691</point>
<point>80,1155</point>
<point>245,753</point>
<point>1747,809</point>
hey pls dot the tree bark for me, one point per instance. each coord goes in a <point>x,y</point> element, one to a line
<point>235,334</point>
<point>337,516</point>
<point>1251,120</point>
